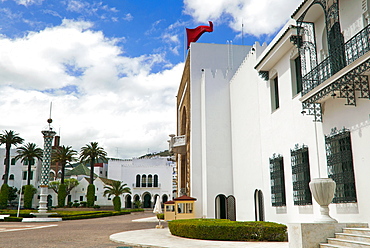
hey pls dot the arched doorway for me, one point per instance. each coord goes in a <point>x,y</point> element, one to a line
<point>137,202</point>
<point>259,212</point>
<point>221,207</point>
<point>50,201</point>
<point>147,202</point>
<point>225,207</point>
<point>128,203</point>
<point>164,198</point>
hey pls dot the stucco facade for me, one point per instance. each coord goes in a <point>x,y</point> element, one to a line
<point>292,111</point>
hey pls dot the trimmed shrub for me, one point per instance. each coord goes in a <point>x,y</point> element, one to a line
<point>4,193</point>
<point>160,216</point>
<point>13,219</point>
<point>96,206</point>
<point>83,204</point>
<point>29,191</point>
<point>211,229</point>
<point>90,195</point>
<point>62,194</point>
<point>117,203</point>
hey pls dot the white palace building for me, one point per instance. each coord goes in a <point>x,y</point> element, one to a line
<point>255,124</point>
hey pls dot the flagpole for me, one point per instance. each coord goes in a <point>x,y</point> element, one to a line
<point>20,196</point>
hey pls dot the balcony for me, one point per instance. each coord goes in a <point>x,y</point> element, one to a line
<point>341,75</point>
<point>146,186</point>
<point>178,144</point>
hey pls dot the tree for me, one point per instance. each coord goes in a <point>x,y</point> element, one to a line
<point>9,138</point>
<point>63,189</point>
<point>12,194</point>
<point>63,155</point>
<point>91,153</point>
<point>70,183</point>
<point>27,153</point>
<point>116,188</point>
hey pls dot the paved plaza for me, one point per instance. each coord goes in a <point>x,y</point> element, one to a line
<point>134,230</point>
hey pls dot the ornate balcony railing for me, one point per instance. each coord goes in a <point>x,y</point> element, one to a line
<point>354,48</point>
<point>146,185</point>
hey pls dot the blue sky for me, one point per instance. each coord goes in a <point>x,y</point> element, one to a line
<point>111,68</point>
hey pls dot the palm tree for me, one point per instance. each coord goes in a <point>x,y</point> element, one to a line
<point>27,153</point>
<point>9,138</point>
<point>91,153</point>
<point>116,188</point>
<point>63,155</point>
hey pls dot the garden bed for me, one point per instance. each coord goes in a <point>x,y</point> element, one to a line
<point>69,213</point>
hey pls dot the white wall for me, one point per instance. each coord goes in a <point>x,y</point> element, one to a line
<point>126,171</point>
<point>210,149</point>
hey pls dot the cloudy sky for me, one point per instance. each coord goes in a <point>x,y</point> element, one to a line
<point>111,68</point>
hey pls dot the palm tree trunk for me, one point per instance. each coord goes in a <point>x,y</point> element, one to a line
<point>29,173</point>
<point>63,168</point>
<point>7,163</point>
<point>92,170</point>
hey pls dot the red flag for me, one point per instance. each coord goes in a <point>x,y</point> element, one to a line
<point>194,34</point>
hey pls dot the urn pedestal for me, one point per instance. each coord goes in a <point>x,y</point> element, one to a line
<point>323,190</point>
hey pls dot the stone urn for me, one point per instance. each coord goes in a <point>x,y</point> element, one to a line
<point>323,190</point>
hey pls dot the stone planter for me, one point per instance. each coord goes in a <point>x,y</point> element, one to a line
<point>323,190</point>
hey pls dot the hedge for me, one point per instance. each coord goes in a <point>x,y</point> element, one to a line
<point>4,192</point>
<point>13,219</point>
<point>29,191</point>
<point>69,215</point>
<point>62,194</point>
<point>90,196</point>
<point>90,215</point>
<point>216,229</point>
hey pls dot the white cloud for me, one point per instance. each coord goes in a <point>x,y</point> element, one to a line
<point>258,16</point>
<point>97,93</point>
<point>28,2</point>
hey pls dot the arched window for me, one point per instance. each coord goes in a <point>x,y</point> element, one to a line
<point>137,180</point>
<point>150,181</point>
<point>51,176</point>
<point>143,181</point>
<point>259,213</point>
<point>156,181</point>
<point>11,177</point>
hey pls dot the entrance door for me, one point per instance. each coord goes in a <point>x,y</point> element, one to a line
<point>147,201</point>
<point>128,202</point>
<point>221,207</point>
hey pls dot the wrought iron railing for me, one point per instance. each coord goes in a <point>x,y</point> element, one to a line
<point>354,48</point>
